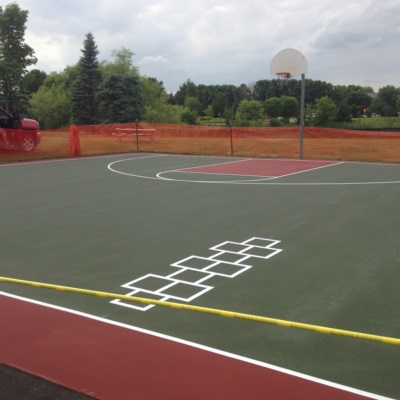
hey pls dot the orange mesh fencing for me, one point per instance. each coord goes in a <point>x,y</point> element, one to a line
<point>318,143</point>
<point>145,137</point>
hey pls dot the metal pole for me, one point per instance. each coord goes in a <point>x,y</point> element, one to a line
<point>302,97</point>
<point>137,135</point>
<point>231,136</point>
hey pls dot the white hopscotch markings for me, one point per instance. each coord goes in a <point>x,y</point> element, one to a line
<point>228,259</point>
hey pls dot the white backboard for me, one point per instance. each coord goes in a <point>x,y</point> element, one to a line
<point>290,62</point>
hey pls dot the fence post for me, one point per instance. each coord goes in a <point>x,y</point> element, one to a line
<point>74,142</point>
<point>231,136</point>
<point>137,135</point>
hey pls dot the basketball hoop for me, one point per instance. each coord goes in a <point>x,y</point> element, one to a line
<point>288,63</point>
<point>283,75</point>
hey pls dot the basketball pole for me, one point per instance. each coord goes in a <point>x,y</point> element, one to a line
<point>289,63</point>
<point>302,98</point>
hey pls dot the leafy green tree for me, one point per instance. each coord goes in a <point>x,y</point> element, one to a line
<point>290,107</point>
<point>398,105</point>
<point>15,54</point>
<point>51,104</point>
<point>189,117</point>
<point>162,111</point>
<point>152,91</point>
<point>206,95</point>
<point>386,101</point>
<point>120,99</point>
<point>244,92</point>
<point>122,64</point>
<point>344,113</point>
<point>209,112</point>
<point>358,100</point>
<point>219,104</point>
<point>249,113</point>
<point>310,113</point>
<point>273,107</point>
<point>338,94</point>
<point>317,89</point>
<point>158,107</point>
<point>32,81</point>
<point>84,90</point>
<point>188,89</point>
<point>260,90</point>
<point>229,116</point>
<point>325,111</point>
<point>193,103</point>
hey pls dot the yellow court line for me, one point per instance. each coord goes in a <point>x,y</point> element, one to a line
<point>222,313</point>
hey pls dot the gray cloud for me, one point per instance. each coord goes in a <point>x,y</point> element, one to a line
<point>224,41</point>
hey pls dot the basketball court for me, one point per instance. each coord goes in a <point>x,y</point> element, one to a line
<point>239,240</point>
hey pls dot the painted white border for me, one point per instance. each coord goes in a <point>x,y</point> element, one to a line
<point>261,181</point>
<point>202,347</point>
<point>258,181</point>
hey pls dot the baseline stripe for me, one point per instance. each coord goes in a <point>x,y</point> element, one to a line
<point>222,313</point>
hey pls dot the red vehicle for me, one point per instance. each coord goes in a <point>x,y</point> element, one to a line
<point>16,133</point>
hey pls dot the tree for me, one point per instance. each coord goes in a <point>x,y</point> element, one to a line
<point>219,104</point>
<point>386,101</point>
<point>120,99</point>
<point>189,117</point>
<point>344,112</point>
<point>290,107</point>
<point>152,90</point>
<point>122,64</point>
<point>188,89</point>
<point>260,90</point>
<point>209,111</point>
<point>162,111</point>
<point>358,100</point>
<point>193,103</point>
<point>317,89</point>
<point>84,90</point>
<point>398,104</point>
<point>249,113</point>
<point>32,81</point>
<point>15,54</point>
<point>325,111</point>
<point>51,104</point>
<point>273,107</point>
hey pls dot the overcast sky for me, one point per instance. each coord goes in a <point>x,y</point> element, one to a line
<point>223,41</point>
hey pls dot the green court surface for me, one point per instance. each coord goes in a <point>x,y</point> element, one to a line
<point>318,245</point>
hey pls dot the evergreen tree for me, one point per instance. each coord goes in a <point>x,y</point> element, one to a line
<point>84,90</point>
<point>15,54</point>
<point>120,99</point>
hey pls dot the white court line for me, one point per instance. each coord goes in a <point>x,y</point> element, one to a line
<point>72,159</point>
<point>205,348</point>
<point>134,159</point>
<point>164,178</point>
<point>308,170</point>
<point>262,181</point>
<point>265,177</point>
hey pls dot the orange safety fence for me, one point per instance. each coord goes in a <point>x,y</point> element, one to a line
<point>318,143</point>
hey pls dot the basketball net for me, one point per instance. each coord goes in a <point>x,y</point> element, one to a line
<point>283,78</point>
<point>283,75</point>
